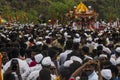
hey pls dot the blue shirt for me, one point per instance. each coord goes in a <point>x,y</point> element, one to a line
<point>93,76</point>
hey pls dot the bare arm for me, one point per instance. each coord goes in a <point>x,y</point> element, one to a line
<point>99,73</point>
<point>80,69</point>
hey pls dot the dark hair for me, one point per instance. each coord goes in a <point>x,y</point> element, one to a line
<point>28,53</point>
<point>44,47</point>
<point>31,40</point>
<point>22,52</point>
<point>52,53</point>
<point>44,74</point>
<point>15,53</point>
<point>48,40</point>
<point>114,70</point>
<point>85,49</point>
<point>61,41</point>
<point>69,44</point>
<point>74,66</point>
<point>65,73</point>
<point>75,46</point>
<point>9,76</point>
<point>100,48</point>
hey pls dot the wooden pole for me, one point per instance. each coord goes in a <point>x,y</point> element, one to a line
<point>1,75</point>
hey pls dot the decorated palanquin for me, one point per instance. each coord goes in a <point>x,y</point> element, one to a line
<point>82,11</point>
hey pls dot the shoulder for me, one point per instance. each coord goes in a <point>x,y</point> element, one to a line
<point>33,75</point>
<point>7,65</point>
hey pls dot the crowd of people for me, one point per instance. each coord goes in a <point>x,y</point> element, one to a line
<point>44,52</point>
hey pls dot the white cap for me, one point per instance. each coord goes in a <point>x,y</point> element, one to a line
<point>113,61</point>
<point>118,61</point>
<point>100,34</point>
<point>102,56</point>
<point>2,35</point>
<point>61,30</point>
<point>38,57</point>
<point>88,57</point>
<point>46,61</point>
<point>29,38</point>
<point>67,63</point>
<point>65,34</point>
<point>39,43</point>
<point>50,33</point>
<point>76,40</point>
<point>117,49</point>
<point>86,34</point>
<point>89,39</point>
<point>106,73</point>
<point>47,37</point>
<point>40,37</point>
<point>75,58</point>
<point>26,35</point>
<point>47,31</point>
<point>107,50</point>
<point>77,35</point>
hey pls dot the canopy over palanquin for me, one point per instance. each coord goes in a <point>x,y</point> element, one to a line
<point>82,11</point>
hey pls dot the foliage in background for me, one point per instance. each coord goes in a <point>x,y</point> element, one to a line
<point>43,10</point>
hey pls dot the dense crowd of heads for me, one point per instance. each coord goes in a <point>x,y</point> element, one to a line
<point>59,51</point>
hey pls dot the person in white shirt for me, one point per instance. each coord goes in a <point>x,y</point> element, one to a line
<point>68,50</point>
<point>88,69</point>
<point>38,66</point>
<point>23,66</point>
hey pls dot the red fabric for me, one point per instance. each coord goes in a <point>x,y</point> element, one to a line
<point>71,79</point>
<point>33,63</point>
<point>31,44</point>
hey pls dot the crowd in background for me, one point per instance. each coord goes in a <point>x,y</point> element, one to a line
<point>44,52</point>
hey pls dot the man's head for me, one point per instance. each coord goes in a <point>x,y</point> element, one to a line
<point>89,69</point>
<point>44,74</point>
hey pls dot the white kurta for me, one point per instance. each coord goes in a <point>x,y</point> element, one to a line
<point>63,56</point>
<point>37,67</point>
<point>24,68</point>
<point>33,75</point>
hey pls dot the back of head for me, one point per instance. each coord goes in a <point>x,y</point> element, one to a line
<point>69,44</point>
<point>15,53</point>
<point>75,46</point>
<point>85,49</point>
<point>45,74</point>
<point>9,76</point>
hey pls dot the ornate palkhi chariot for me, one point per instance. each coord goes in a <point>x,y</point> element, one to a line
<point>85,15</point>
<point>82,11</point>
